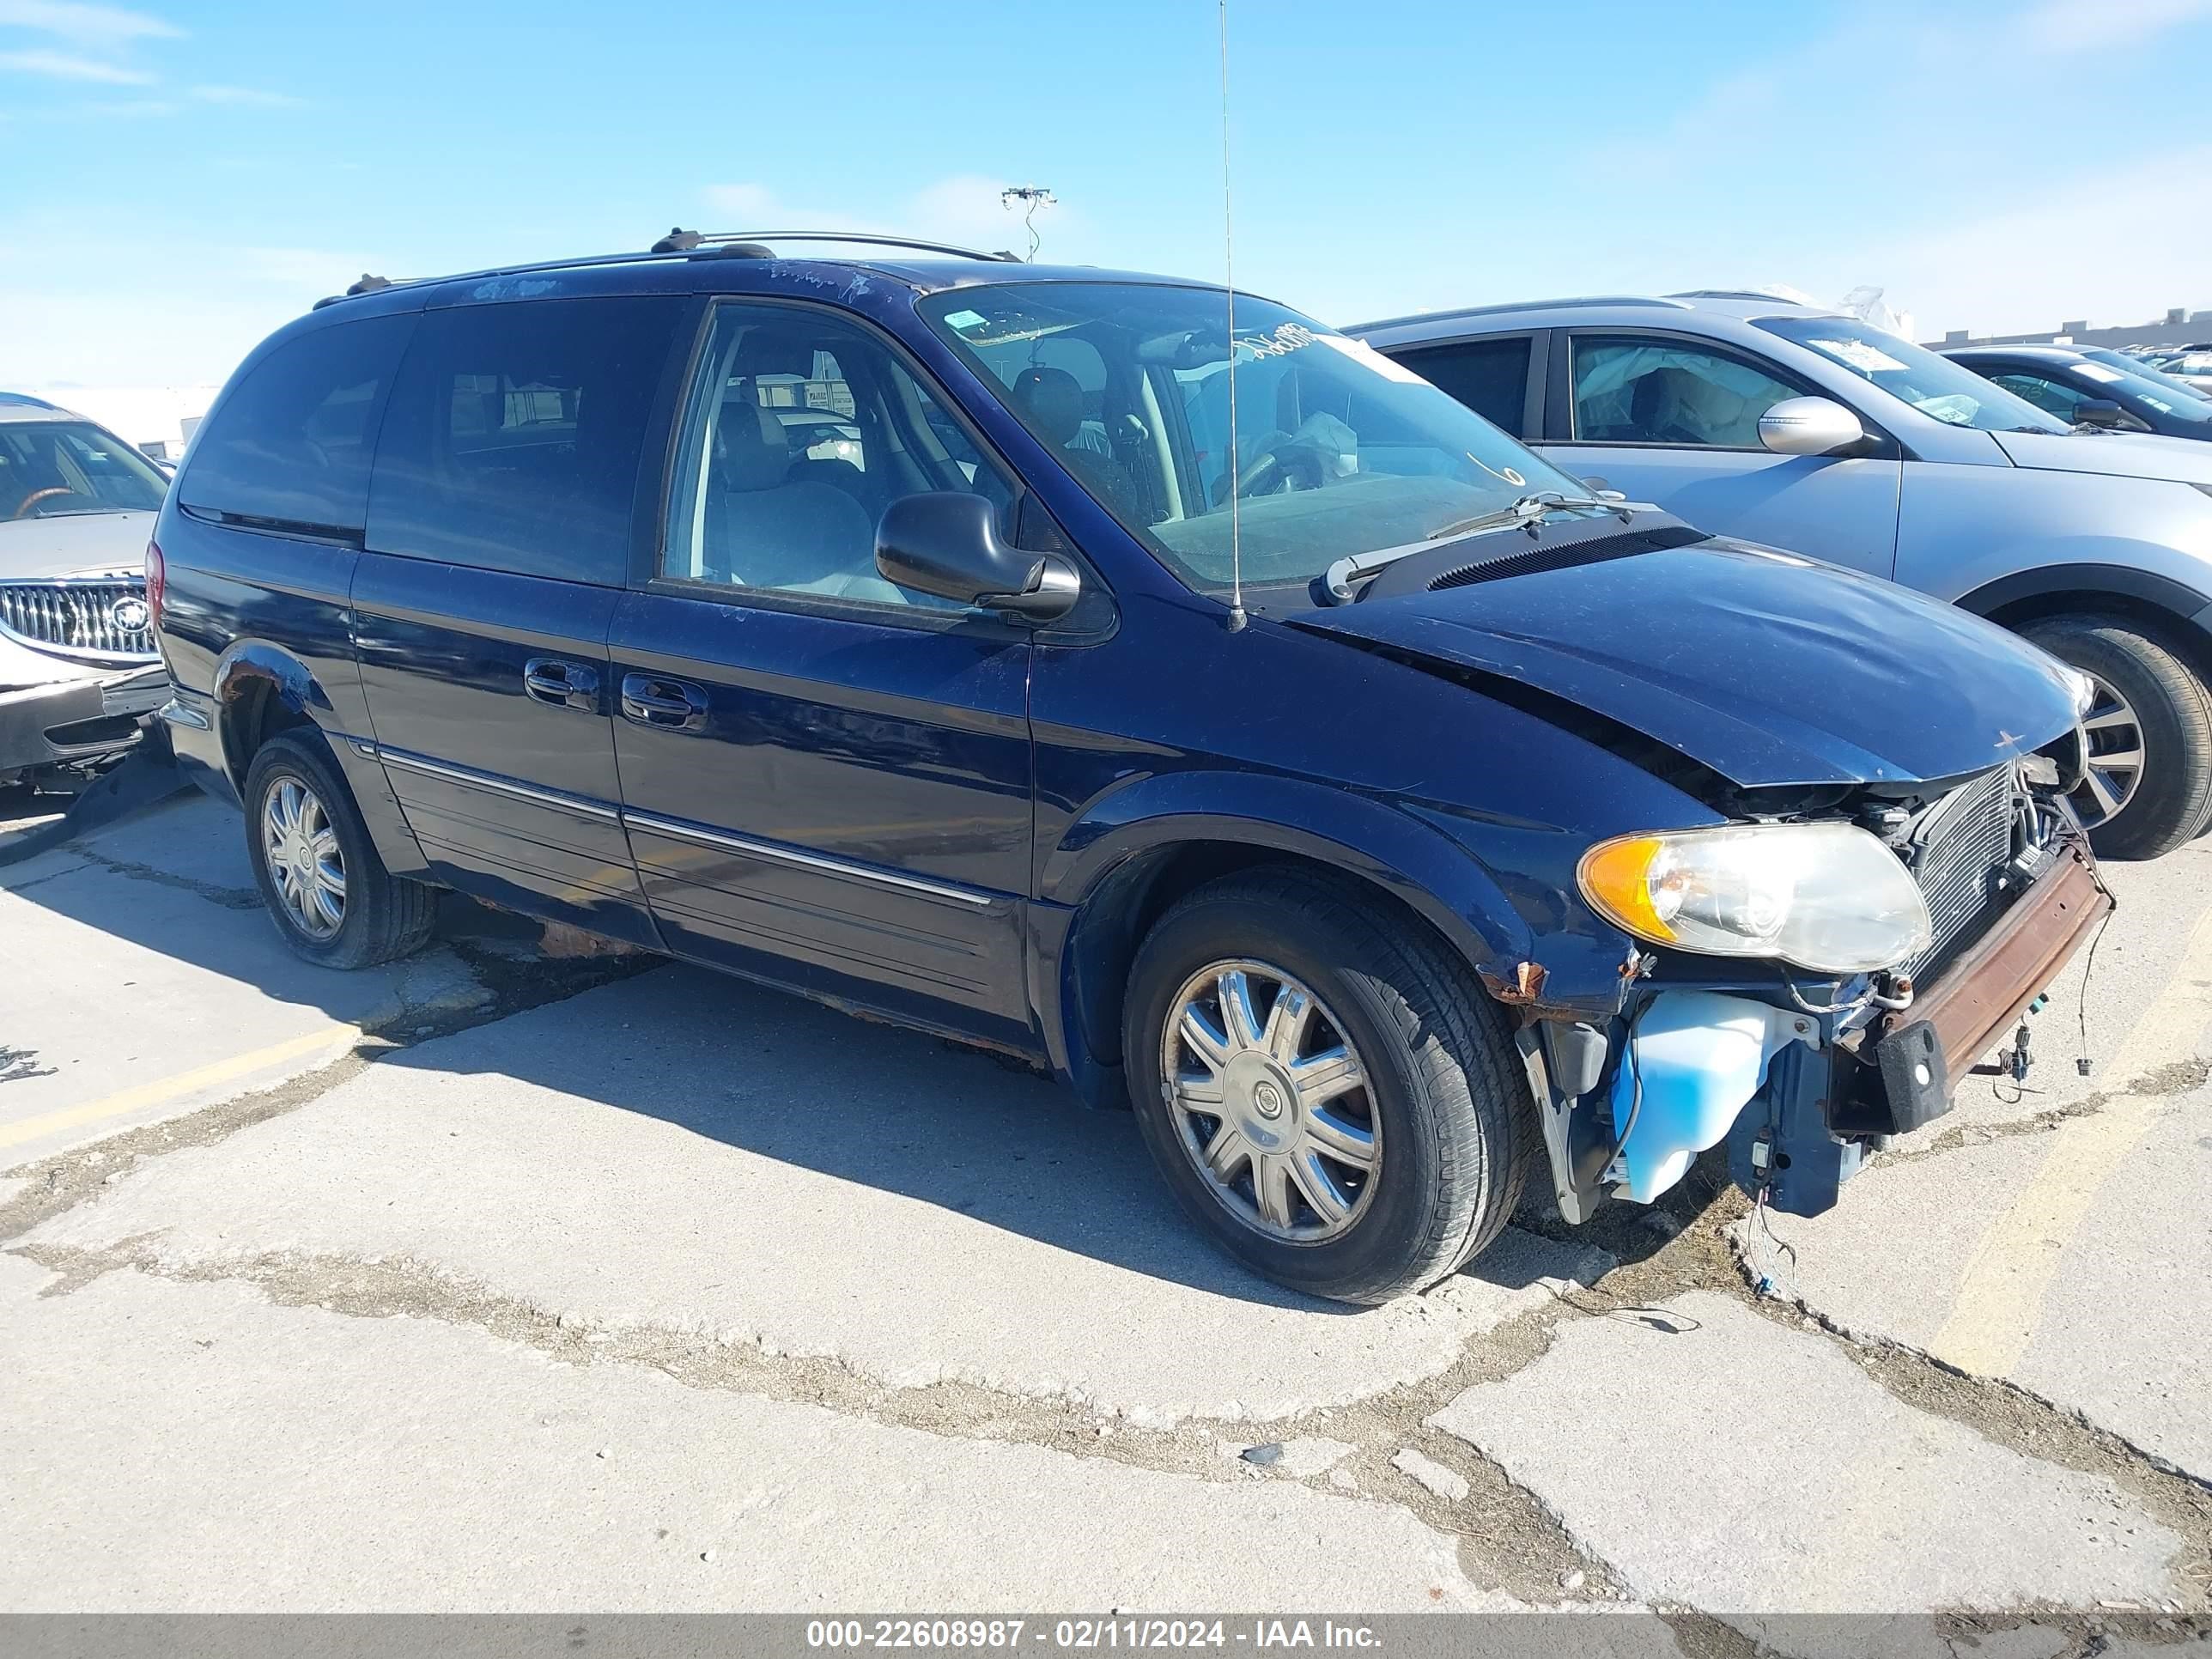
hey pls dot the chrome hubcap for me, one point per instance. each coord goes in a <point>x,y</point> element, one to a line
<point>305,863</point>
<point>1270,1101</point>
<point>2115,760</point>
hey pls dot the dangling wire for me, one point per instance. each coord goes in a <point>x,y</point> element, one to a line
<point>1229,284</point>
<point>1031,197</point>
<point>2089,967</point>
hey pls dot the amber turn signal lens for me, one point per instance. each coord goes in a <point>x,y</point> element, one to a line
<point>1616,877</point>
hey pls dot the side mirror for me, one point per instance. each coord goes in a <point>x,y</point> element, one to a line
<point>1809,426</point>
<point>2100,411</point>
<point>946,542</point>
<point>1601,491</point>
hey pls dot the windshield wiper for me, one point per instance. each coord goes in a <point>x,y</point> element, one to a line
<point>1528,510</point>
<point>1523,511</point>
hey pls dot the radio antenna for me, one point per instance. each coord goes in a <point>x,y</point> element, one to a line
<point>1236,618</point>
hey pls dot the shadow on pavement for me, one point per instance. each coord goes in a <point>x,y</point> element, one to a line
<point>785,1078</point>
<point>757,1069</point>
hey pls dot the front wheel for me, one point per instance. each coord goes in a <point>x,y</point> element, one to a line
<point>1325,1085</point>
<point>2148,786</point>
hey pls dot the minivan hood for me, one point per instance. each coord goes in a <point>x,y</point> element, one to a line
<point>76,543</point>
<point>2117,455</point>
<point>1768,668</point>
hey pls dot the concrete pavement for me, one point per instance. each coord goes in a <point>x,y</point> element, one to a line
<point>888,1322</point>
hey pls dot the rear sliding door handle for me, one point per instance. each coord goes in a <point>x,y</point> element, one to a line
<point>672,705</point>
<point>563,684</point>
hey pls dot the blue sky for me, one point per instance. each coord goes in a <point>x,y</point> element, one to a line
<point>177,179</point>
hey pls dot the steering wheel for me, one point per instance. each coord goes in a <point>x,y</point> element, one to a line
<point>37,496</point>
<point>1273,466</point>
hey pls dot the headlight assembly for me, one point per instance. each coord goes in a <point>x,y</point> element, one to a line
<point>1826,896</point>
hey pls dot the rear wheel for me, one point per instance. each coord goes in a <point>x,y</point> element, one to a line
<point>2147,786</point>
<point>1325,1085</point>
<point>333,902</point>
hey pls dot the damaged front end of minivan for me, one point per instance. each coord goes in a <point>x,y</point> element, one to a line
<point>1873,876</point>
<point>1805,988</point>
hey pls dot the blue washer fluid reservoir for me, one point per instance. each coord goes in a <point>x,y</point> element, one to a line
<point>1698,1058</point>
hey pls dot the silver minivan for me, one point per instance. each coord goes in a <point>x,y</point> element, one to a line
<point>1749,416</point>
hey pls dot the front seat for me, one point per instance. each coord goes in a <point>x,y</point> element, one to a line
<point>764,530</point>
<point>1050,401</point>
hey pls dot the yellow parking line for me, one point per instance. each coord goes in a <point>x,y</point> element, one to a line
<point>184,1083</point>
<point>1999,1302</point>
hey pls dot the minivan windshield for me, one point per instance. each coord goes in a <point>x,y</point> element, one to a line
<point>56,469</point>
<point>1339,451</point>
<point>1935,386</point>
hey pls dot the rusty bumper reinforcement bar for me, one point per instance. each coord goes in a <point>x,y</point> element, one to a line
<point>1975,1000</point>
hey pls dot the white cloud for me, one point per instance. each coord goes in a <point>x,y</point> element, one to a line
<point>85,25</point>
<point>963,209</point>
<point>300,267</point>
<point>248,95</point>
<point>753,204</point>
<point>67,66</point>
<point>2074,25</point>
<point>2116,242</point>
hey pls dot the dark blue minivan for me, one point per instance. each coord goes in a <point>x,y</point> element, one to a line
<point>1168,690</point>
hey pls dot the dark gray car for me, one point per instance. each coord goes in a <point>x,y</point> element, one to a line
<point>2094,387</point>
<point>1810,430</point>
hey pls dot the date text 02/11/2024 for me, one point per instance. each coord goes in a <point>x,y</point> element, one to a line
<point>1086,1633</point>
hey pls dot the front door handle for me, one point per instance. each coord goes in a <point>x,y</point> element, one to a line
<point>563,684</point>
<point>671,705</point>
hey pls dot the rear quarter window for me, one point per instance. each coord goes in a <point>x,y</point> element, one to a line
<point>289,446</point>
<point>514,434</point>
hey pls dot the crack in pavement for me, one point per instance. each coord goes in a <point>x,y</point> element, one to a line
<point>2087,1634</point>
<point>230,898</point>
<point>40,881</point>
<point>1508,1539</point>
<point>59,1182</point>
<point>2008,1415</point>
<point>2175,1078</point>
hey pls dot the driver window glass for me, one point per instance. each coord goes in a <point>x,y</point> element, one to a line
<point>1646,391</point>
<point>799,430</point>
<point>2048,395</point>
<point>289,445</point>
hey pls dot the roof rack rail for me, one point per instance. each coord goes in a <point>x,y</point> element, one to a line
<point>747,243</point>
<point>677,244</point>
<point>1736,294</point>
<point>1455,312</point>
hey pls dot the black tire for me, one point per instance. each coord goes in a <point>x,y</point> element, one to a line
<point>386,916</point>
<point>2172,800</point>
<point>1445,1085</point>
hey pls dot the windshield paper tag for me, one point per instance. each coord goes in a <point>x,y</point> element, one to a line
<point>2097,372</point>
<point>1360,352</point>
<point>1858,354</point>
<point>963,319</point>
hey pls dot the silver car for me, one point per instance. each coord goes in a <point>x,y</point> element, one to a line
<point>78,669</point>
<point>1809,429</point>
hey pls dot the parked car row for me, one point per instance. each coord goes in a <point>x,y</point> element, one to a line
<point>2190,364</point>
<point>1810,430</point>
<point>1202,706</point>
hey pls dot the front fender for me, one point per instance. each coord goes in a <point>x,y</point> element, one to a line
<point>2142,582</point>
<point>1439,879</point>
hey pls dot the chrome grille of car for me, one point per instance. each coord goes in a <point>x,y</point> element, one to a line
<point>1965,839</point>
<point>79,617</point>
